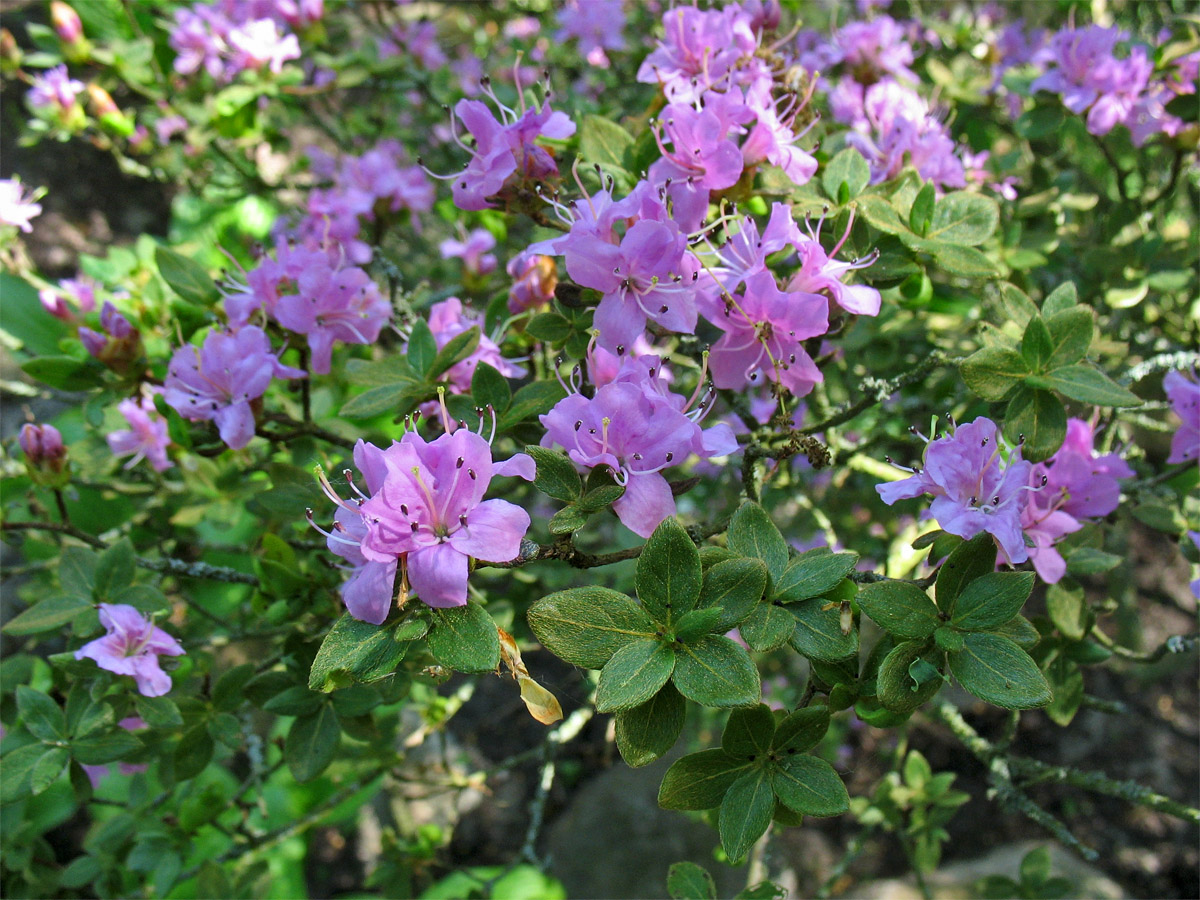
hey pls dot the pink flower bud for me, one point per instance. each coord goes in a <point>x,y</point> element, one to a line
<point>41,442</point>
<point>66,22</point>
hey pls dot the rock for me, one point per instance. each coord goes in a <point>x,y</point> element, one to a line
<point>957,881</point>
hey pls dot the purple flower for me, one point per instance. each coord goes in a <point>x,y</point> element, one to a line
<point>636,427</point>
<point>764,333</point>
<point>132,646</point>
<point>343,305</point>
<point>596,24</point>
<point>973,491</point>
<point>367,591</point>
<point>896,124</point>
<point>505,151</point>
<point>15,209</point>
<point>219,381</point>
<point>146,437</point>
<point>118,346</point>
<point>1073,485</point>
<point>430,513</point>
<point>820,273</point>
<point>1184,394</point>
<point>699,50</point>
<point>54,91</point>
<point>648,276</point>
<point>473,251</point>
<point>772,138</point>
<point>871,50</point>
<point>1195,585</point>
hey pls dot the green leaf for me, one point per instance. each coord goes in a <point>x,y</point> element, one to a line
<point>715,671</point>
<point>1036,344</point>
<point>646,732</point>
<point>96,750</point>
<point>881,214</point>
<point>818,632</point>
<point>586,626</point>
<point>81,871</point>
<point>187,278</point>
<point>668,574</point>
<point>736,586</point>
<point>600,498</point>
<point>997,671</point>
<point>532,400</point>
<point>697,623</point>
<point>297,700</point>
<point>993,372</point>
<point>699,780</point>
<point>1066,681</point>
<point>464,638</point>
<point>901,609</point>
<point>746,812</point>
<point>396,398</point>
<point>422,347</point>
<point>490,388</point>
<point>47,769</point>
<point>550,327</point>
<point>603,142</point>
<point>748,732</point>
<point>115,569</point>
<point>380,372</point>
<point>40,715</point>
<point>895,687</point>
<point>752,533</point>
<point>455,351</point>
<point>963,218</point>
<point>18,767</point>
<point>957,259</point>
<point>1068,610</point>
<point>847,167</point>
<point>1087,384</point>
<point>63,372</point>
<point>948,639</point>
<point>688,881</point>
<point>921,214</point>
<point>1071,331</point>
<point>161,712</point>
<point>1041,418</point>
<point>1090,561</point>
<point>968,561</point>
<point>311,743</point>
<point>1013,304</point>
<point>810,786</point>
<point>992,600</point>
<point>47,615</point>
<point>567,520</point>
<point>556,475</point>
<point>355,651</point>
<point>767,628</point>
<point>1020,631</point>
<point>812,574</point>
<point>801,731</point>
<point>1063,297</point>
<point>635,673</point>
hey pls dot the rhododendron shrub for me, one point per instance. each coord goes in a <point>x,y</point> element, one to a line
<point>746,367</point>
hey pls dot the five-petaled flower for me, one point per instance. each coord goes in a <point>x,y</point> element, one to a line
<point>132,646</point>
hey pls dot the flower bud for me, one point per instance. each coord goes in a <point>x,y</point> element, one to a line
<point>119,346</point>
<point>45,455</point>
<point>102,101</point>
<point>66,22</point>
<point>10,53</point>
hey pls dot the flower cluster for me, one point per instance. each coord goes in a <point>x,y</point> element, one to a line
<point>220,380</point>
<point>424,513</point>
<point>637,427</point>
<point>1026,507</point>
<point>1083,67</point>
<point>226,37</point>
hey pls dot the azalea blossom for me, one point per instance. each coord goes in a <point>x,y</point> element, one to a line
<point>1184,394</point>
<point>146,437</point>
<point>132,646</point>
<point>974,489</point>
